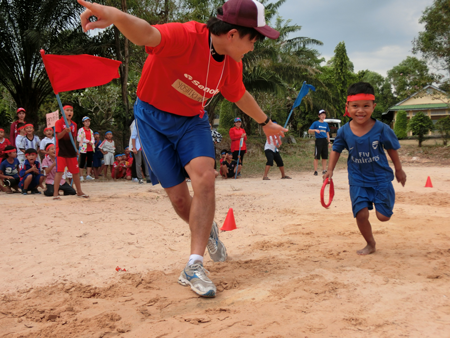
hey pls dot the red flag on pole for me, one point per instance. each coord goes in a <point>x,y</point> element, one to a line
<point>72,72</point>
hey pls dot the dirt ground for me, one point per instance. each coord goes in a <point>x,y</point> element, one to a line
<point>292,269</point>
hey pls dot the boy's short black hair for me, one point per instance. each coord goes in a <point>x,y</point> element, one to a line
<point>30,151</point>
<point>20,125</point>
<point>219,27</point>
<point>7,148</point>
<point>67,104</point>
<point>360,88</point>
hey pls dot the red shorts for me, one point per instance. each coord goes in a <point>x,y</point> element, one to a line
<point>70,162</point>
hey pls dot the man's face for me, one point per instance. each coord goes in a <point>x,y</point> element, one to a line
<point>69,113</point>
<point>239,46</point>
<point>361,111</point>
<point>29,130</point>
<point>31,158</point>
<point>49,133</point>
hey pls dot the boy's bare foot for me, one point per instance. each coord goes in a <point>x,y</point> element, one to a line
<point>369,249</point>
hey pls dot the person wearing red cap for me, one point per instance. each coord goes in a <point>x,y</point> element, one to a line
<point>13,131</point>
<point>189,63</point>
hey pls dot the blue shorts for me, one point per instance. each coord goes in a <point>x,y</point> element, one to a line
<point>383,196</point>
<point>34,181</point>
<point>169,142</point>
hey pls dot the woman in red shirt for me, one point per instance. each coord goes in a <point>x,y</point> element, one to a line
<point>236,133</point>
<point>13,131</point>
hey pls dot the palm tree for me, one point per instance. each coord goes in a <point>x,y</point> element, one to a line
<point>25,28</point>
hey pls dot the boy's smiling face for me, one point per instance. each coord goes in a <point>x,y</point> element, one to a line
<point>361,111</point>
<point>29,130</point>
<point>51,150</point>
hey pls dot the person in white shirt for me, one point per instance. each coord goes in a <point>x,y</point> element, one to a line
<point>273,153</point>
<point>48,132</point>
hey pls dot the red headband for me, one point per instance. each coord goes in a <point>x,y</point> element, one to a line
<point>67,106</point>
<point>48,128</point>
<point>1,129</point>
<point>48,146</point>
<point>20,128</point>
<point>28,125</point>
<point>358,97</point>
<point>9,151</point>
<point>30,154</point>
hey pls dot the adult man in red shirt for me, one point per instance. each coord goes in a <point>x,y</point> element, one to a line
<point>187,65</point>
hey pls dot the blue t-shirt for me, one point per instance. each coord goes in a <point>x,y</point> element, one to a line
<point>320,126</point>
<point>367,162</point>
<point>9,169</point>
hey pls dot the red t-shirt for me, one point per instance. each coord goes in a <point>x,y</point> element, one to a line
<point>87,132</point>
<point>3,145</point>
<point>235,136</point>
<point>174,75</point>
<point>64,147</point>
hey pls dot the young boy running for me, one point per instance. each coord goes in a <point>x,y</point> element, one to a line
<point>369,173</point>
<point>189,63</point>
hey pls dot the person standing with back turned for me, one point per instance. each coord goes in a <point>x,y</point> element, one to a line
<point>188,63</point>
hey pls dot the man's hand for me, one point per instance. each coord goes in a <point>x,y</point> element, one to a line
<point>134,151</point>
<point>274,130</point>
<point>401,176</point>
<point>104,14</point>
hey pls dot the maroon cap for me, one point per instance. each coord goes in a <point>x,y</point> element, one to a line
<point>247,13</point>
<point>19,110</point>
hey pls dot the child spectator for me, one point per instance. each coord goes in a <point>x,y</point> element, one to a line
<point>369,174</point>
<point>9,170</point>
<point>30,141</point>
<point>98,156</point>
<point>14,131</point>
<point>49,165</point>
<point>4,142</point>
<point>118,168</point>
<point>66,154</point>
<point>229,166</point>
<point>21,134</point>
<point>108,149</point>
<point>30,173</point>
<point>138,156</point>
<point>48,132</point>
<point>273,153</point>
<point>128,163</point>
<point>236,133</point>
<point>223,155</point>
<point>86,140</point>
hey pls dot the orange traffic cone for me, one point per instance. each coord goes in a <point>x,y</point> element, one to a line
<point>230,223</point>
<point>428,184</point>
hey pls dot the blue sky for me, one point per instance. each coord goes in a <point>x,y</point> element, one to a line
<point>378,34</point>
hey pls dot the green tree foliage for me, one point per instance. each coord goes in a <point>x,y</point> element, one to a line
<point>401,125</point>
<point>409,76</point>
<point>25,28</point>
<point>434,42</point>
<point>443,126</point>
<point>420,124</point>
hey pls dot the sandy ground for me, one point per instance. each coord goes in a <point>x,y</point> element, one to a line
<point>292,268</point>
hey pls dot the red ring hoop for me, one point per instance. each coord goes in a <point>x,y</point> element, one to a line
<point>322,192</point>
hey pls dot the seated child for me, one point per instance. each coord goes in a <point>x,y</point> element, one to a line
<point>229,166</point>
<point>30,173</point>
<point>118,168</point>
<point>369,174</point>
<point>223,155</point>
<point>128,163</point>
<point>9,170</point>
<point>30,141</point>
<point>4,142</point>
<point>49,165</point>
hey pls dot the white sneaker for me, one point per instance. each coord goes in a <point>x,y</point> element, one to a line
<point>141,181</point>
<point>195,276</point>
<point>81,178</point>
<point>135,179</point>
<point>89,178</point>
